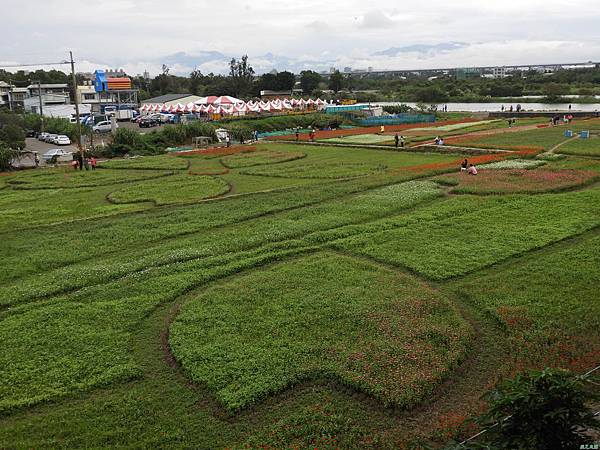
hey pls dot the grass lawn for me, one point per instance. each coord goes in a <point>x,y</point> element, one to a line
<point>326,297</point>
<point>582,147</point>
<point>545,138</point>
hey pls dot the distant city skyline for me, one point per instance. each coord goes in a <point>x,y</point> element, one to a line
<point>140,36</point>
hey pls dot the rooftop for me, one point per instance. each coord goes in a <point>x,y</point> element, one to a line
<point>49,86</point>
<point>167,98</point>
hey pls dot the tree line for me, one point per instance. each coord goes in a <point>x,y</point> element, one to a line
<point>242,81</point>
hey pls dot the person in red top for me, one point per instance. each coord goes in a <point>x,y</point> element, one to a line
<point>93,162</point>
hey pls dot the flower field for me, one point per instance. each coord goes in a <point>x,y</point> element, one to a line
<point>491,180</point>
<point>319,316</point>
<point>290,296</point>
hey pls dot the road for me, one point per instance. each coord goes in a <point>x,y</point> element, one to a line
<point>32,144</point>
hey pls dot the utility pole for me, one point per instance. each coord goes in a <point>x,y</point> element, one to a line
<point>74,79</point>
<point>10,95</point>
<point>41,107</point>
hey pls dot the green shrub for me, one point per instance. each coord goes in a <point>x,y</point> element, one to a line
<point>541,410</point>
<point>7,154</point>
<point>125,141</point>
<point>13,136</point>
<point>198,128</point>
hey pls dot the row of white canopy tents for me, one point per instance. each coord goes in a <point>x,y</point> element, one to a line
<point>227,105</point>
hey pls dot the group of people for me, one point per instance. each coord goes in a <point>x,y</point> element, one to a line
<point>399,140</point>
<point>469,168</point>
<point>80,162</point>
<point>511,109</point>
<point>567,118</point>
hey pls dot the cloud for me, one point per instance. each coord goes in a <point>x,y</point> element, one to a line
<point>309,34</point>
<point>318,25</point>
<point>376,19</point>
<point>428,49</point>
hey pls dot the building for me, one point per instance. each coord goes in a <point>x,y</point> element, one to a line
<point>32,103</point>
<point>17,96</point>
<point>499,72</point>
<point>273,95</point>
<point>172,99</point>
<point>4,93</point>
<point>52,94</point>
<point>49,88</point>
<point>468,73</point>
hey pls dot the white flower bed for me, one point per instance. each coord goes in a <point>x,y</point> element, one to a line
<point>514,164</point>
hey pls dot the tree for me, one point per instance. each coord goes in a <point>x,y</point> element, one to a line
<point>309,81</point>
<point>13,136</point>
<point>285,81</point>
<point>553,90</point>
<point>195,81</point>
<point>336,81</point>
<point>430,94</point>
<point>543,410</point>
<point>242,76</point>
<point>7,155</point>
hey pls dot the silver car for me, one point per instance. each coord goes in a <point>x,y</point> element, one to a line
<point>59,153</point>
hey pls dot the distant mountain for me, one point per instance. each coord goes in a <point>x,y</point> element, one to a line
<point>182,63</point>
<point>429,49</point>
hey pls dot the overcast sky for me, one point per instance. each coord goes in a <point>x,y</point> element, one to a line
<point>313,34</point>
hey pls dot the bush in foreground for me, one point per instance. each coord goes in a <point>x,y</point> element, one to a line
<point>542,410</point>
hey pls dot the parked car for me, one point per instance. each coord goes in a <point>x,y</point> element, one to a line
<point>50,138</point>
<point>148,123</point>
<point>30,133</point>
<point>62,140</point>
<point>42,136</point>
<point>59,153</point>
<point>104,127</point>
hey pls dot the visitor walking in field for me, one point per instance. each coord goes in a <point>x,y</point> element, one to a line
<point>464,165</point>
<point>93,162</point>
<point>397,140</point>
<point>401,141</point>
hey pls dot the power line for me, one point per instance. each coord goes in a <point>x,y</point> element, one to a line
<point>64,62</point>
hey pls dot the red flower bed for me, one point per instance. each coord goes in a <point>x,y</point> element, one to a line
<point>494,181</point>
<point>444,166</point>
<point>220,151</point>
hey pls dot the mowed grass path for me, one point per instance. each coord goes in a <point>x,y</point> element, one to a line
<point>371,287</point>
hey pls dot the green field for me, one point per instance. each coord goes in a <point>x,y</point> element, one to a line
<point>360,139</point>
<point>290,296</point>
<point>583,147</point>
